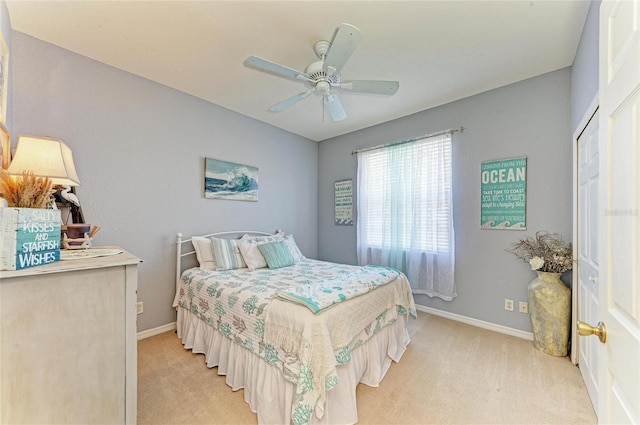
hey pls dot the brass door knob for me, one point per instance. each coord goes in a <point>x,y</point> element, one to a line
<point>586,329</point>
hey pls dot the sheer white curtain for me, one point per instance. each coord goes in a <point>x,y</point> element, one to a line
<point>405,217</point>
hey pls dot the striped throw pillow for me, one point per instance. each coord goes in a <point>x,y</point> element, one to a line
<point>227,254</point>
<point>276,254</point>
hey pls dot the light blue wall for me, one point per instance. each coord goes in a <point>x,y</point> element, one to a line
<point>584,71</point>
<point>529,118</point>
<point>139,149</point>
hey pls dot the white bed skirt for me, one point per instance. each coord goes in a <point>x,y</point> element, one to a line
<point>265,389</point>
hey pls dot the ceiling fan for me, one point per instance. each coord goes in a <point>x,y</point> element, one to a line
<point>323,76</point>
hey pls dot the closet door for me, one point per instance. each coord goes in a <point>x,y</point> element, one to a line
<point>586,249</point>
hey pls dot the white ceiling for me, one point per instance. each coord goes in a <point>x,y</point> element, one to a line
<point>439,51</point>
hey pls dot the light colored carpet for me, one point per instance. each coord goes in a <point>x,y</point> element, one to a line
<point>451,373</point>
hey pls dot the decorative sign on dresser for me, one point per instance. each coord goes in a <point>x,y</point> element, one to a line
<point>68,343</point>
<point>28,237</point>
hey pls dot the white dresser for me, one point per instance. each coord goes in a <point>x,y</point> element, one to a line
<point>68,342</point>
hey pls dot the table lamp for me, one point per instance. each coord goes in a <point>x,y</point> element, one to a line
<point>51,158</point>
<point>45,157</point>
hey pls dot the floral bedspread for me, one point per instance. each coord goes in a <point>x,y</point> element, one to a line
<point>241,304</point>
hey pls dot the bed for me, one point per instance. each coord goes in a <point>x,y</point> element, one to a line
<point>297,335</point>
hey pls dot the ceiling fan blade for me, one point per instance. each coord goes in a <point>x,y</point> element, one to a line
<point>274,68</point>
<point>290,101</point>
<point>344,42</point>
<point>371,86</point>
<point>335,108</point>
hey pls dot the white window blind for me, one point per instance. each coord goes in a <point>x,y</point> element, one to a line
<point>427,226</point>
<point>405,217</point>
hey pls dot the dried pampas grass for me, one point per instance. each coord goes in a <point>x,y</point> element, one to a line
<point>27,191</point>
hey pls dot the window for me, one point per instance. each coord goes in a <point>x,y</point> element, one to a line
<point>405,217</point>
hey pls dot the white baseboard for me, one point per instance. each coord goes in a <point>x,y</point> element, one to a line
<point>478,323</point>
<point>156,331</point>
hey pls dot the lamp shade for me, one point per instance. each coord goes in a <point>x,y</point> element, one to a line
<point>45,157</point>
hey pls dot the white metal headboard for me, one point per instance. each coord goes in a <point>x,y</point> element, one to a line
<point>185,254</point>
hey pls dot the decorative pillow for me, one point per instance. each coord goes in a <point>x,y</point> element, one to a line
<point>204,252</point>
<point>293,247</point>
<point>257,238</point>
<point>277,254</point>
<point>251,255</point>
<point>227,254</point>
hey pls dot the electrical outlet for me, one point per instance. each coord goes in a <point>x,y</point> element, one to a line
<point>139,307</point>
<point>523,307</point>
<point>508,304</point>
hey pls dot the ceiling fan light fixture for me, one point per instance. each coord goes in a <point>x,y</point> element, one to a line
<point>323,87</point>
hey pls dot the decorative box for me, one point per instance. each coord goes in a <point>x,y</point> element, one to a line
<point>28,237</point>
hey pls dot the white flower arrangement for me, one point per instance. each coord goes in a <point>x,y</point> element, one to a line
<point>536,263</point>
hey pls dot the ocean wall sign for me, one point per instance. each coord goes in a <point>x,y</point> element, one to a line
<point>504,194</point>
<point>344,202</point>
<point>227,180</point>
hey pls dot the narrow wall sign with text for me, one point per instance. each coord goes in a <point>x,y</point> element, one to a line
<point>504,194</point>
<point>344,202</point>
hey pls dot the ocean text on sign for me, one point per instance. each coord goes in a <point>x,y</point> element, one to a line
<point>504,176</point>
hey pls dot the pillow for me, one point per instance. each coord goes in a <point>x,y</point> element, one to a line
<point>277,254</point>
<point>227,254</point>
<point>204,252</point>
<point>251,255</point>
<point>257,238</point>
<point>293,247</point>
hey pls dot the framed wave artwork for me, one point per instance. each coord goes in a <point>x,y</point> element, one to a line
<point>228,180</point>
